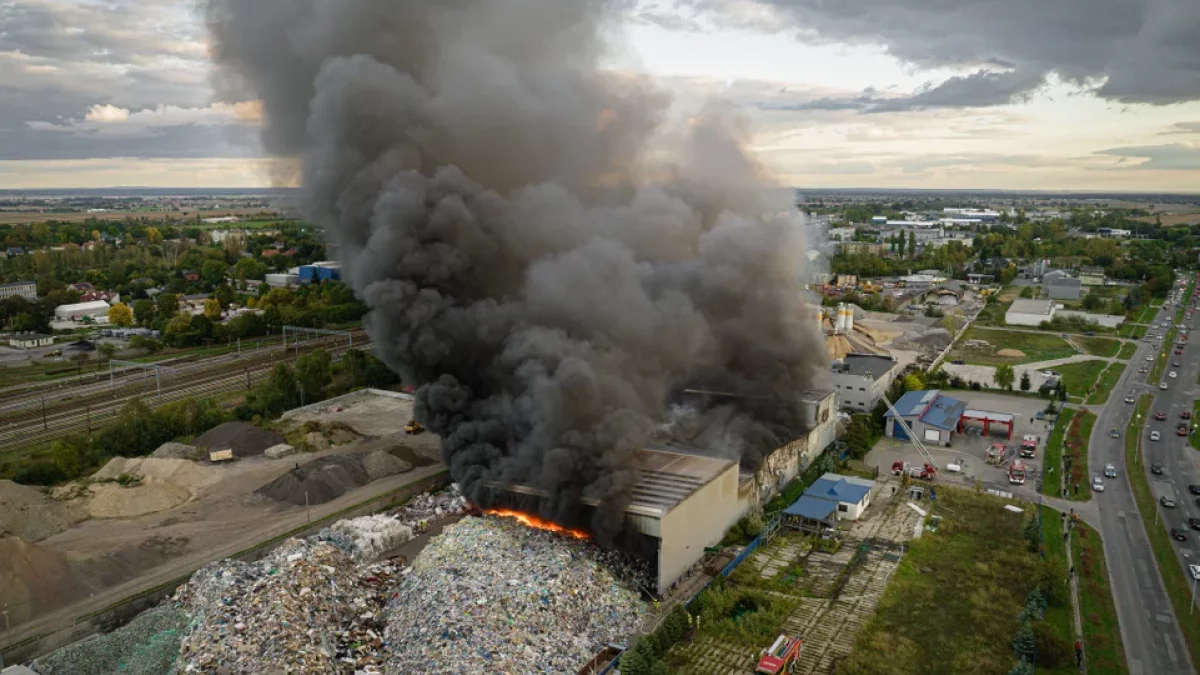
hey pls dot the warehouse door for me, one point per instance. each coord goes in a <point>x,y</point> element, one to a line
<point>898,431</point>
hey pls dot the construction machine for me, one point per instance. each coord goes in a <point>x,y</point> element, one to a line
<point>413,428</point>
<point>780,657</point>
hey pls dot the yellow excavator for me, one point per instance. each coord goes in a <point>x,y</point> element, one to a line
<point>414,427</point>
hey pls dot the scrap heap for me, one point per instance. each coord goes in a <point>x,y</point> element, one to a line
<point>493,595</point>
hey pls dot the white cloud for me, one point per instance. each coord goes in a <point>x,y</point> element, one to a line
<point>107,113</point>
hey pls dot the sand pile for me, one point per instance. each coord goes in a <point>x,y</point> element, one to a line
<point>34,580</point>
<point>1015,353</point>
<point>27,513</point>
<point>246,440</point>
<point>172,450</point>
<point>181,472</point>
<point>380,464</point>
<point>111,500</point>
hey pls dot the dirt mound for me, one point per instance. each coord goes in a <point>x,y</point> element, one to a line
<point>110,500</point>
<point>172,450</point>
<point>322,480</point>
<point>27,513</point>
<point>1014,353</point>
<point>34,581</point>
<point>181,472</point>
<point>380,464</point>
<point>397,445</point>
<point>246,440</point>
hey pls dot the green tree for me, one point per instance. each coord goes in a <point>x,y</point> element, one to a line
<point>107,350</point>
<point>313,375</point>
<point>912,244</point>
<point>249,268</point>
<point>1092,302</point>
<point>166,305</point>
<point>212,273</point>
<point>1005,376</point>
<point>143,311</point>
<point>212,309</point>
<point>1025,382</point>
<point>1024,644</point>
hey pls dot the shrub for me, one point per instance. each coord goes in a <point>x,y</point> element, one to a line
<point>1052,650</point>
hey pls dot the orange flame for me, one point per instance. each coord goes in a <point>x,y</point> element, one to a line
<point>538,523</point>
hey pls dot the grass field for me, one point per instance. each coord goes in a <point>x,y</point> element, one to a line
<point>1060,618</point>
<point>1035,346</point>
<point>1100,346</point>
<point>1054,448</point>
<point>1101,630</point>
<point>1128,349</point>
<point>952,606</point>
<point>1104,386</point>
<point>1196,420</point>
<point>1179,587</point>
<point>1170,219</point>
<point>1131,331</point>
<point>1079,377</point>
<point>1075,446</point>
<point>1146,315</point>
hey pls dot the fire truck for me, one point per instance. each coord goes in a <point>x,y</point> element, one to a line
<point>781,657</point>
<point>1016,472</point>
<point>1028,445</point>
<point>995,454</point>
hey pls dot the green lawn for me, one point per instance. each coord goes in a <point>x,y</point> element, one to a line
<point>1100,346</point>
<point>1127,351</point>
<point>1196,420</point>
<point>1105,385</point>
<point>1035,347</point>
<point>1079,377</point>
<point>1101,630</point>
<point>1131,331</point>
<point>1075,446</point>
<point>1147,313</point>
<point>1054,446</point>
<point>1179,587</point>
<point>952,606</point>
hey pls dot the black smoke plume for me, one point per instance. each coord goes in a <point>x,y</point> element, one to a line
<point>545,255</point>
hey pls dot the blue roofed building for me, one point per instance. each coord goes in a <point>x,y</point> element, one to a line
<point>850,494</point>
<point>810,514</point>
<point>932,416</point>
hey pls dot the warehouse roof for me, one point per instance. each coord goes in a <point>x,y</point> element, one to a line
<point>914,402</point>
<point>665,479</point>
<point>83,306</point>
<point>1027,306</point>
<point>838,488</point>
<point>862,365</point>
<point>811,508</point>
<point>931,407</point>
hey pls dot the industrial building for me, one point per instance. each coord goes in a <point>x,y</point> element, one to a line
<point>30,340</point>
<point>681,504</point>
<point>1062,286</point>
<point>1092,276</point>
<point>933,417</point>
<point>862,379</point>
<point>19,289</point>
<point>97,310</point>
<point>320,271</point>
<point>850,494</point>
<point>1024,312</point>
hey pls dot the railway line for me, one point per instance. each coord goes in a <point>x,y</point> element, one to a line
<point>96,407</point>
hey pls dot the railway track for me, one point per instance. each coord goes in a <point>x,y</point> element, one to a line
<point>83,416</point>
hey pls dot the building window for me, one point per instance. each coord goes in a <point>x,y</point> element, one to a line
<point>861,389</point>
<point>842,508</point>
<point>825,415</point>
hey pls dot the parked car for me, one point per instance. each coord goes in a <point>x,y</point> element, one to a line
<point>1156,469</point>
<point>1097,484</point>
<point>1178,534</point>
<point>1110,471</point>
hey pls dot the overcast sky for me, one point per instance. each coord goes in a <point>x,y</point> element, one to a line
<point>1038,94</point>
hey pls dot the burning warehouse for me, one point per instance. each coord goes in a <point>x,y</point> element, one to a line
<point>680,504</point>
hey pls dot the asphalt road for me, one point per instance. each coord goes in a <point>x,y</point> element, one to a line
<point>1154,643</point>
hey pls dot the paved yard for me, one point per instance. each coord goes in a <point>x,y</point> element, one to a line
<point>971,451</point>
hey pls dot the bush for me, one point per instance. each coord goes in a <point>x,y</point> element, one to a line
<point>1052,650</point>
<point>1024,644</point>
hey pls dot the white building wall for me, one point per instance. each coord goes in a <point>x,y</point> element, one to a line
<point>1021,319</point>
<point>698,521</point>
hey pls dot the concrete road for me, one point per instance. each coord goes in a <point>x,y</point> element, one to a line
<point>1154,643</point>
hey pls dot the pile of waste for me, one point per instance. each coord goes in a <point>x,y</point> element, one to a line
<point>492,595</point>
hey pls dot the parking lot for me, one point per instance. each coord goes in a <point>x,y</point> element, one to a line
<point>969,450</point>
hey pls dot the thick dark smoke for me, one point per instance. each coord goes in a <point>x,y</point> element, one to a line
<point>543,254</point>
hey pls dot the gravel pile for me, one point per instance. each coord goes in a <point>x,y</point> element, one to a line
<point>380,464</point>
<point>148,645</point>
<point>325,479</point>
<point>246,440</point>
<point>492,595</point>
<point>173,450</point>
<point>279,451</point>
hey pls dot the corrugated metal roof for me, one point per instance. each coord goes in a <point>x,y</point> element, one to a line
<point>987,415</point>
<point>914,402</point>
<point>944,413</point>
<point>837,488</point>
<point>811,508</point>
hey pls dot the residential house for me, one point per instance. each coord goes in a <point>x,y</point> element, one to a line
<point>19,289</point>
<point>30,340</point>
